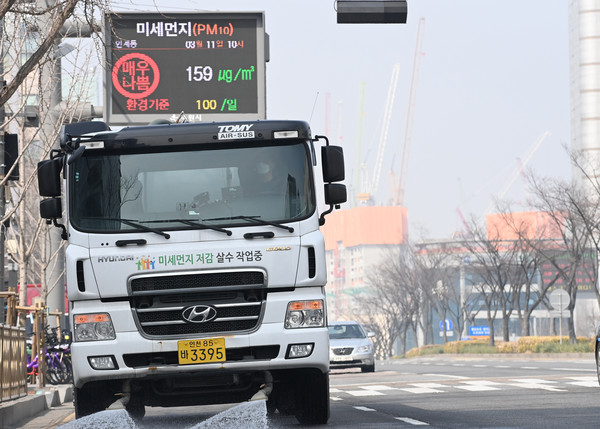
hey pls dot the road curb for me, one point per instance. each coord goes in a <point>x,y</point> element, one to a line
<point>37,400</point>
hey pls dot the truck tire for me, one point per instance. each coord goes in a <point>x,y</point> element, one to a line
<point>90,399</point>
<point>312,398</point>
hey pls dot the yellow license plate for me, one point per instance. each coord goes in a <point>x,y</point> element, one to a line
<point>201,351</point>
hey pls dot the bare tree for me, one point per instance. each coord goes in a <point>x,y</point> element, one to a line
<point>407,290</point>
<point>500,279</point>
<point>532,237</point>
<point>31,33</point>
<point>392,301</point>
<point>562,202</point>
<point>434,269</point>
<point>587,203</point>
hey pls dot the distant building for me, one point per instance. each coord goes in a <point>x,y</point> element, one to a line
<point>584,62</point>
<point>529,225</point>
<point>356,241</point>
<point>584,67</point>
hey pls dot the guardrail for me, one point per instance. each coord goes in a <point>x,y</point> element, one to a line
<point>13,347</point>
<point>13,363</point>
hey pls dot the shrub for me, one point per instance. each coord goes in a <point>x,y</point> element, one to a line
<point>522,345</point>
<point>432,349</point>
<point>552,345</point>
<point>506,347</point>
<point>472,346</point>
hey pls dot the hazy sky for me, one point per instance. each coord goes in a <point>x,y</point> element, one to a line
<point>494,77</point>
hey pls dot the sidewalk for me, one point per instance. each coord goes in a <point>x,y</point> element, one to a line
<point>21,411</point>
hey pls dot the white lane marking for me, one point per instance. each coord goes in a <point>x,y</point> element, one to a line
<point>530,367</point>
<point>584,381</point>
<point>419,390</point>
<point>533,381</point>
<point>585,378</point>
<point>428,385</point>
<point>502,366</point>
<point>364,392</point>
<point>478,386</point>
<point>412,421</point>
<point>335,398</point>
<point>468,385</point>
<point>452,377</point>
<point>380,387</point>
<point>536,383</point>
<point>424,388</point>
<point>364,409</point>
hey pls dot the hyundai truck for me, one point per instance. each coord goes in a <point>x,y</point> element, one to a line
<point>195,267</point>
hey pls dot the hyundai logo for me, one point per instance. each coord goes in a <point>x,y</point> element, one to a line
<point>199,314</point>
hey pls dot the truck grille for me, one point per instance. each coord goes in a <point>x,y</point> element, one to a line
<point>198,303</point>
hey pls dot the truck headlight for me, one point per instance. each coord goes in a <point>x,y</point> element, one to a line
<point>93,327</point>
<point>305,314</point>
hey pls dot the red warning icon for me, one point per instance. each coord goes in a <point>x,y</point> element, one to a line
<point>135,75</point>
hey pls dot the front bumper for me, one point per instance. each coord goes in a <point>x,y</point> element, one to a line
<point>137,357</point>
<point>351,361</point>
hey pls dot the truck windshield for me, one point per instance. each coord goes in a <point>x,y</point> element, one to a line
<point>217,187</point>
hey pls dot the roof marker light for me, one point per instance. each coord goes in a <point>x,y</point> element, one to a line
<point>285,134</point>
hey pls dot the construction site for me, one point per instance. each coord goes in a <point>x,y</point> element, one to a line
<point>375,224</point>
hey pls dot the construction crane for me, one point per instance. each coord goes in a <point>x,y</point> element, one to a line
<point>358,152</point>
<point>387,117</point>
<point>519,169</point>
<point>398,184</point>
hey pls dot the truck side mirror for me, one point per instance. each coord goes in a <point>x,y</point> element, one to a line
<point>49,177</point>
<point>51,208</point>
<point>335,193</point>
<point>333,163</point>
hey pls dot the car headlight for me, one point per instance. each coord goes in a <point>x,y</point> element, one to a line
<point>305,314</point>
<point>364,349</point>
<point>93,327</point>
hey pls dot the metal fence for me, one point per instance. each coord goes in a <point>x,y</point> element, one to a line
<point>13,362</point>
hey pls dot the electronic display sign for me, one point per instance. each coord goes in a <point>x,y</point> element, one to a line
<point>184,67</point>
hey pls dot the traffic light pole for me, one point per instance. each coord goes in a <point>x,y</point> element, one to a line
<point>55,283</point>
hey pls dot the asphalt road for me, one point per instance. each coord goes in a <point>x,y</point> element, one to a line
<point>436,392</point>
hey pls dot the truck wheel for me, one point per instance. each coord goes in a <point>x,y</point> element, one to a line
<point>89,400</point>
<point>368,368</point>
<point>282,400</point>
<point>312,397</point>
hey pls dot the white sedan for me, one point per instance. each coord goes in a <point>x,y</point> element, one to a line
<point>350,346</point>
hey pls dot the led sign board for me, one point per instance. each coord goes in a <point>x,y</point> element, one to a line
<point>184,67</point>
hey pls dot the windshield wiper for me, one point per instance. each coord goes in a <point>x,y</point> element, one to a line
<point>195,223</point>
<point>134,224</point>
<point>257,220</point>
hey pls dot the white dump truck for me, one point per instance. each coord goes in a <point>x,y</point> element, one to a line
<point>195,267</point>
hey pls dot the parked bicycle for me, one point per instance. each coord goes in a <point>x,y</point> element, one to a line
<point>57,357</point>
